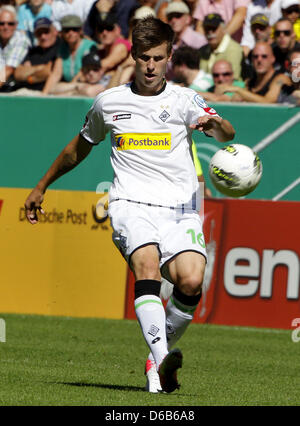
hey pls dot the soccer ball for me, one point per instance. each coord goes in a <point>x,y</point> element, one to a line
<point>235,170</point>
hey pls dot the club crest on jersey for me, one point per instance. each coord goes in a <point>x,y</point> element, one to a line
<point>200,101</point>
<point>164,115</point>
<point>121,117</point>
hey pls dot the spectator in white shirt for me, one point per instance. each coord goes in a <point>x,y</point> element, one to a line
<point>61,8</point>
<point>14,44</point>
<point>270,8</point>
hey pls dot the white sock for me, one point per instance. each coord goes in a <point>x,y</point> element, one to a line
<point>178,317</point>
<point>152,319</point>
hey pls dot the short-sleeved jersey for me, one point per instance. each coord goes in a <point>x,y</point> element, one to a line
<point>151,143</point>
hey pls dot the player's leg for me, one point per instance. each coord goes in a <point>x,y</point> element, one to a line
<point>186,271</point>
<point>136,237</point>
<point>148,305</point>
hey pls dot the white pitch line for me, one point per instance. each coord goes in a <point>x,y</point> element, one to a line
<point>253,329</point>
<point>286,190</point>
<point>278,132</point>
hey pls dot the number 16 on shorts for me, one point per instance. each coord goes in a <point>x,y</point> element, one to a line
<point>196,238</point>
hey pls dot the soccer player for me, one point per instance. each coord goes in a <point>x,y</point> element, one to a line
<point>153,200</point>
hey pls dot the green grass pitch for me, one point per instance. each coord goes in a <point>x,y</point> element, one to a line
<point>71,361</point>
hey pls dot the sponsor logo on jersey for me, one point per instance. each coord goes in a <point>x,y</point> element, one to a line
<point>200,101</point>
<point>145,141</point>
<point>121,117</point>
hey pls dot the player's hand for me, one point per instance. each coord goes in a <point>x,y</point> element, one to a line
<point>206,123</point>
<point>32,204</point>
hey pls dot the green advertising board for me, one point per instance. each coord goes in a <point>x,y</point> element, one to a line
<point>34,130</point>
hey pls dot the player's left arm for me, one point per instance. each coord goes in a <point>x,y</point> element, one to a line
<point>215,126</point>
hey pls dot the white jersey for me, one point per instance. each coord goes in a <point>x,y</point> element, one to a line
<point>151,143</point>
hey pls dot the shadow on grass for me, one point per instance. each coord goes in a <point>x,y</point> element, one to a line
<point>118,387</point>
<point>105,386</point>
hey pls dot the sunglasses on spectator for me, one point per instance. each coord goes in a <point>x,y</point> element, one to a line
<point>10,24</point>
<point>264,56</point>
<point>285,32</point>
<point>40,32</point>
<point>208,28</point>
<point>292,9</point>
<point>75,29</point>
<point>222,74</point>
<point>176,15</point>
<point>105,28</point>
<point>258,27</point>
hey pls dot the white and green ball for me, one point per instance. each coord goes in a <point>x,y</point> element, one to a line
<point>235,170</point>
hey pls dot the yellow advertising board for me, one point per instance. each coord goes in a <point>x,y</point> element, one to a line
<point>66,264</point>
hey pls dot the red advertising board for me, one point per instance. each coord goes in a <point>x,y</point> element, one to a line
<point>252,276</point>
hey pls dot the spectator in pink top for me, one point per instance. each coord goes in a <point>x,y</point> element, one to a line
<point>233,13</point>
<point>179,18</point>
<point>113,47</point>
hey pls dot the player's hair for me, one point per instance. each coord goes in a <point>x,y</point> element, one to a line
<point>151,32</point>
<point>188,56</point>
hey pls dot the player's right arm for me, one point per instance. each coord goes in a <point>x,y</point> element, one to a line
<point>70,157</point>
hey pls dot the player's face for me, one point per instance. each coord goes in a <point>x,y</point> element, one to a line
<point>7,25</point>
<point>151,68</point>
<point>284,34</point>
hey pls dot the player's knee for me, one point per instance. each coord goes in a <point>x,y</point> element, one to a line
<point>145,263</point>
<point>191,284</point>
<point>146,269</point>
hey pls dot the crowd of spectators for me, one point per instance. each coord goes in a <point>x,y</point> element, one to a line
<point>227,50</point>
